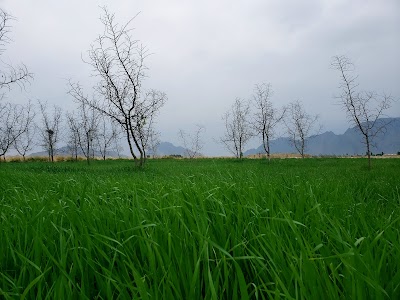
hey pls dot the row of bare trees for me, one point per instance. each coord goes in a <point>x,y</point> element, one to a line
<point>118,102</point>
<point>119,105</point>
<point>86,132</point>
<point>14,123</point>
<point>91,132</point>
<point>260,118</point>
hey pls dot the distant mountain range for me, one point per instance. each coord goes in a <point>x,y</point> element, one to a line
<point>327,143</point>
<point>167,148</point>
<point>349,143</point>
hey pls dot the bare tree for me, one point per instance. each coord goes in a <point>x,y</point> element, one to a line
<point>73,135</point>
<point>363,108</point>
<point>87,129</point>
<point>106,134</point>
<point>9,74</point>
<point>50,128</point>
<point>237,128</point>
<point>153,143</point>
<point>117,145</point>
<point>192,142</point>
<point>83,131</point>
<point>118,61</point>
<point>144,119</point>
<point>13,123</point>
<point>266,116</point>
<point>25,142</point>
<point>299,126</point>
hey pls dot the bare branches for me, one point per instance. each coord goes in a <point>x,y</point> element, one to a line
<point>299,126</point>
<point>14,76</point>
<point>50,128</point>
<point>153,143</point>
<point>192,142</point>
<point>10,75</point>
<point>5,19</point>
<point>144,117</point>
<point>118,62</point>
<point>13,123</point>
<point>237,128</point>
<point>25,142</point>
<point>266,116</point>
<point>107,134</point>
<point>363,109</point>
<point>83,130</point>
<point>73,135</point>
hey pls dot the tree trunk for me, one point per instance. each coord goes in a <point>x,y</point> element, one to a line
<point>144,156</point>
<point>368,151</point>
<point>87,150</point>
<point>141,160</point>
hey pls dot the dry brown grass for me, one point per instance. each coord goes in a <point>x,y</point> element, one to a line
<point>388,156</point>
<point>17,158</point>
<point>278,155</point>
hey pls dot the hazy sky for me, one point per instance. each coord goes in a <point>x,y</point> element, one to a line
<point>207,53</point>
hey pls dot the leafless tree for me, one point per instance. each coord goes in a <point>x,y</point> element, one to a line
<point>10,75</point>
<point>13,123</point>
<point>73,135</point>
<point>87,129</point>
<point>117,145</point>
<point>153,143</point>
<point>50,128</point>
<point>107,132</point>
<point>299,126</point>
<point>266,116</point>
<point>192,142</point>
<point>25,142</point>
<point>144,119</point>
<point>363,108</point>
<point>237,128</point>
<point>118,61</point>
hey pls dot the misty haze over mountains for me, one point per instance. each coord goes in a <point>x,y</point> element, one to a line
<point>327,143</point>
<point>348,143</point>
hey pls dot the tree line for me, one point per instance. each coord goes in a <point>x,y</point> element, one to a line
<point>118,106</point>
<point>259,117</point>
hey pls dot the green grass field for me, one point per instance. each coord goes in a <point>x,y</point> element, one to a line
<point>200,229</point>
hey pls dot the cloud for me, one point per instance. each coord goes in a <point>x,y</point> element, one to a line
<point>207,53</point>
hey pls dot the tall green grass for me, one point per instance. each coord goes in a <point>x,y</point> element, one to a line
<point>200,229</point>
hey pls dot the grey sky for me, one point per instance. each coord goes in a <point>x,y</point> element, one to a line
<point>207,53</point>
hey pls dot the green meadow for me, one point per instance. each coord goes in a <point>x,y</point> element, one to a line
<point>320,228</point>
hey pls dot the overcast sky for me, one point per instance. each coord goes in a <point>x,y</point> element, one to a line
<point>207,53</point>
